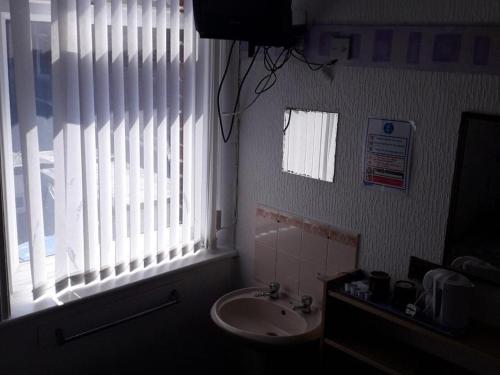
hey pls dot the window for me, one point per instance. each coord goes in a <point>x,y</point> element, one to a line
<point>104,139</point>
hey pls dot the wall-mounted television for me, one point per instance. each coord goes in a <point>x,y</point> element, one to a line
<point>259,22</point>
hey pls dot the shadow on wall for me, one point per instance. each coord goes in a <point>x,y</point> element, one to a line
<point>180,337</point>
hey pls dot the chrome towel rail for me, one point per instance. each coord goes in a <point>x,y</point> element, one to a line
<point>173,299</point>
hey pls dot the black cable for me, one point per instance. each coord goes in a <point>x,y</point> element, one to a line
<point>220,87</point>
<point>272,67</point>
<point>289,118</point>
<point>311,65</point>
<point>240,87</point>
<point>266,82</point>
<point>269,65</point>
<point>298,55</point>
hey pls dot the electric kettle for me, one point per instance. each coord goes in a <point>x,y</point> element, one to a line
<point>448,298</point>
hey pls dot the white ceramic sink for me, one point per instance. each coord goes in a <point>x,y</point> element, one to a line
<point>261,319</point>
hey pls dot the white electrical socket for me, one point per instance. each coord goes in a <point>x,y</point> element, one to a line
<point>340,48</point>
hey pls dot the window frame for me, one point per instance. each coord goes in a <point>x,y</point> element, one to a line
<point>4,282</point>
<point>9,255</point>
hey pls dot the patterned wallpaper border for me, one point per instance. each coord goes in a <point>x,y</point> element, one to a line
<point>471,49</point>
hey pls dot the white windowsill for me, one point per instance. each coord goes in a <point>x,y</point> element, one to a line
<point>23,304</point>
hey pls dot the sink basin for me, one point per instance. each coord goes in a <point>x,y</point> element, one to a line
<point>263,320</point>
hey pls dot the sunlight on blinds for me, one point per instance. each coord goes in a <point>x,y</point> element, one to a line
<point>174,124</point>
<point>28,130</point>
<point>124,179</point>
<point>118,111</point>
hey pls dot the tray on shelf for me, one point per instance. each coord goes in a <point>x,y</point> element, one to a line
<point>419,318</point>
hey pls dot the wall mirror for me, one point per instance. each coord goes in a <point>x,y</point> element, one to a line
<point>473,234</point>
<point>309,143</point>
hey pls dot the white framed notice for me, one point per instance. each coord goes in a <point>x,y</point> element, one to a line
<point>387,155</point>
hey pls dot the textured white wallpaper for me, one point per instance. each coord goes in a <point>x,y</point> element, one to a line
<point>392,226</point>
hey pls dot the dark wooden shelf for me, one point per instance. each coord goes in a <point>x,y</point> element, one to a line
<point>480,347</point>
<point>391,359</point>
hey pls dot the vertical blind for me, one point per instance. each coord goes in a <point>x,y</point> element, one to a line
<point>129,137</point>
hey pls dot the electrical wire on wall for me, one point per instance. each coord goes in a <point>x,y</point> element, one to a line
<point>288,121</point>
<point>272,66</point>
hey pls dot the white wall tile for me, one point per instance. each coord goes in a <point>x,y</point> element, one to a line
<point>341,257</point>
<point>265,264</point>
<point>295,252</point>
<point>314,245</point>
<point>308,280</point>
<point>289,235</point>
<point>266,229</point>
<point>287,273</point>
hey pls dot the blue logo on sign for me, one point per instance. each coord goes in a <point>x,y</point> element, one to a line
<point>388,128</point>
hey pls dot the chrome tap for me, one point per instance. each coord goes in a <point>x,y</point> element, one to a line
<point>273,292</point>
<point>305,306</point>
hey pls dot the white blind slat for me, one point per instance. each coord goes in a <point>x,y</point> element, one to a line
<point>149,147</point>
<point>88,129</point>
<point>28,131</point>
<point>284,162</point>
<point>314,136</point>
<point>161,105</point>
<point>332,123</point>
<point>308,140</point>
<point>316,150</point>
<point>188,114</point>
<point>103,136</point>
<point>119,138</point>
<point>214,73</point>
<point>290,133</point>
<point>290,139</point>
<point>61,266</point>
<point>174,123</point>
<point>68,38</point>
<point>299,132</point>
<point>135,198</point>
<point>200,176</point>
<point>323,139</point>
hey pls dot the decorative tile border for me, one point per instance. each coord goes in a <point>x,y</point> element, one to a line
<point>346,237</point>
<point>316,228</point>
<point>266,213</point>
<point>290,220</point>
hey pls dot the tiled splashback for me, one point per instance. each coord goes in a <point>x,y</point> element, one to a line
<point>294,251</point>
